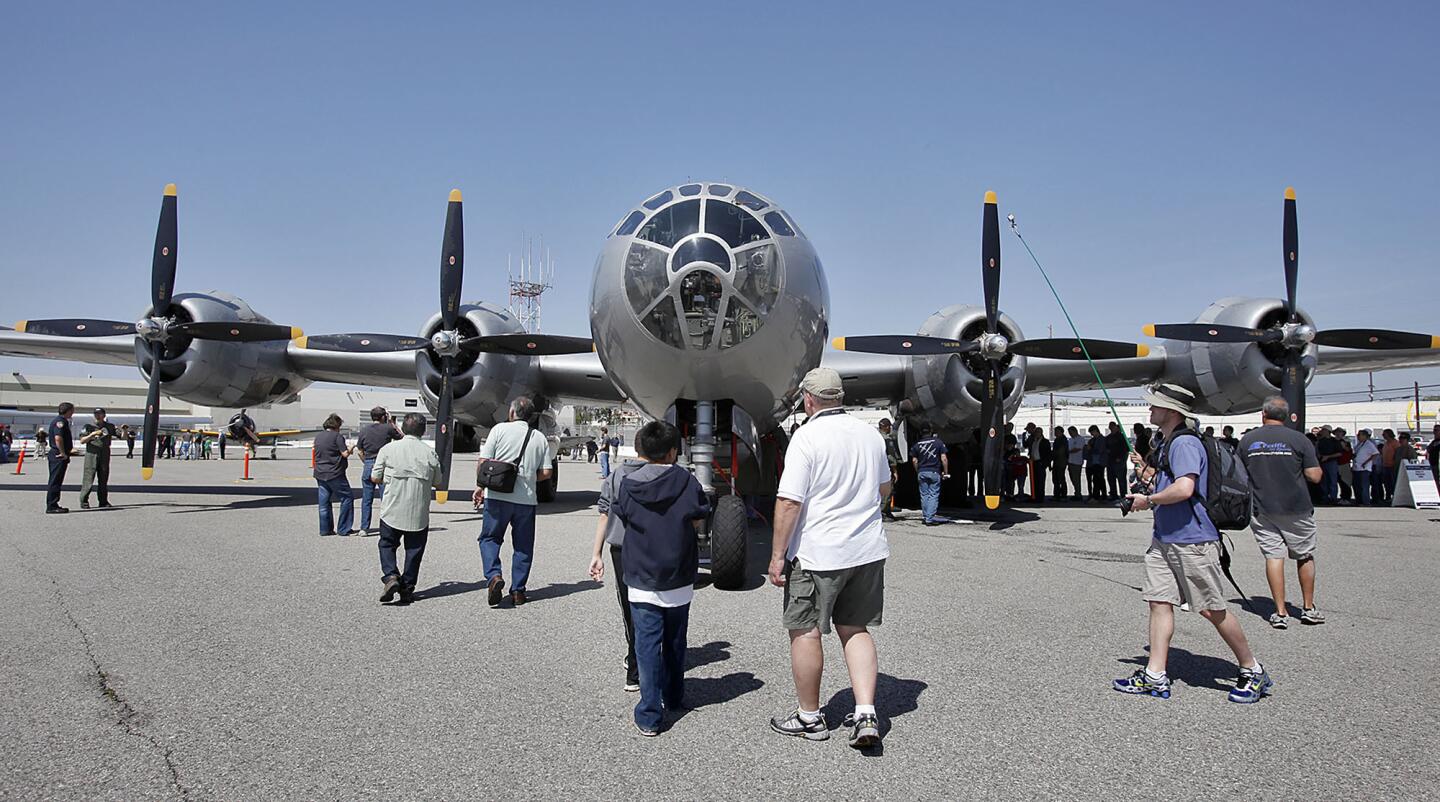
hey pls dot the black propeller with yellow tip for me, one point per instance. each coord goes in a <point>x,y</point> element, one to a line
<point>1292,334</point>
<point>993,347</point>
<point>447,343</point>
<point>161,327</point>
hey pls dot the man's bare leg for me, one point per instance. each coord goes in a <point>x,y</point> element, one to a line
<point>1275,575</point>
<point>1162,629</point>
<point>862,661</point>
<point>807,663</point>
<point>1229,628</point>
<point>1305,570</point>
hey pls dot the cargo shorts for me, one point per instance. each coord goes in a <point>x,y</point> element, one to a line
<point>848,597</point>
<point>1178,573</point>
<point>1282,535</point>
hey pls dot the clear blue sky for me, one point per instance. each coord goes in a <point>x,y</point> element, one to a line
<point>314,146</point>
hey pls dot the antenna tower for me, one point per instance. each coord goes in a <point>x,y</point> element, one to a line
<point>530,283</point>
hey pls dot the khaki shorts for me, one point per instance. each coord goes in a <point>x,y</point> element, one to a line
<point>849,597</point>
<point>1279,535</point>
<point>1185,572</point>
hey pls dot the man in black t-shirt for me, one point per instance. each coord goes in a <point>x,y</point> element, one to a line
<point>97,438</point>
<point>1328,450</point>
<point>373,436</point>
<point>331,461</point>
<point>1280,462</point>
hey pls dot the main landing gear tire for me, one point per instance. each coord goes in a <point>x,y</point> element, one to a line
<point>545,491</point>
<point>729,536</point>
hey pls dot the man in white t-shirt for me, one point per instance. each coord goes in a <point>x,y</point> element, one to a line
<point>829,554</point>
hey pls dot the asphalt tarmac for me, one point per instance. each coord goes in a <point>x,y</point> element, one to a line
<point>202,642</point>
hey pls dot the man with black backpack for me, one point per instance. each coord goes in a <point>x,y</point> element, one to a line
<point>1184,562</point>
<point>1279,461</point>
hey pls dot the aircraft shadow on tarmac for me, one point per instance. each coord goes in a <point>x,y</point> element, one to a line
<point>540,594</point>
<point>1196,670</point>
<point>894,696</point>
<point>255,496</point>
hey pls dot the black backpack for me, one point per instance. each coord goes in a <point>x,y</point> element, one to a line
<point>1226,497</point>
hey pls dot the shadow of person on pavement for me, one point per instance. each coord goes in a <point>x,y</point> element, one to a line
<point>894,697</point>
<point>713,652</point>
<point>1195,670</point>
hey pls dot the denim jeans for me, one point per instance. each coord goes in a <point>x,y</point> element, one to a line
<point>520,518</point>
<point>414,553</point>
<point>369,493</point>
<point>929,494</point>
<point>604,464</point>
<point>1361,482</point>
<point>1330,480</point>
<point>337,489</point>
<point>660,648</point>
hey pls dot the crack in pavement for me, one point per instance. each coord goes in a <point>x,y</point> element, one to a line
<point>126,716</point>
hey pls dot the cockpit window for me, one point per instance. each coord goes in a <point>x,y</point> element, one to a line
<point>733,224</point>
<point>690,190</point>
<point>659,200</point>
<point>778,224</point>
<point>793,225</point>
<point>669,226</point>
<point>647,286</point>
<point>631,223</point>
<point>720,189</point>
<point>757,277</point>
<point>701,249</point>
<point>700,294</point>
<point>739,324</point>
<point>750,201</point>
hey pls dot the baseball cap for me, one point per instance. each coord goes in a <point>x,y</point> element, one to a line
<point>823,383</point>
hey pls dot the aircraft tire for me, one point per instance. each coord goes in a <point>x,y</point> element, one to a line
<point>545,491</point>
<point>729,536</point>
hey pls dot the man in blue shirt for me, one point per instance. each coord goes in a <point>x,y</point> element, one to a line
<point>61,442</point>
<point>1182,565</point>
<point>932,466</point>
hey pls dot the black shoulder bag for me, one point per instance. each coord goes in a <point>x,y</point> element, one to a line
<point>499,475</point>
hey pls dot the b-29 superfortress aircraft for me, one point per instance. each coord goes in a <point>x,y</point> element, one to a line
<point>708,306</point>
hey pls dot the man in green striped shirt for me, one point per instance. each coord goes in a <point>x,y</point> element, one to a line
<point>409,469</point>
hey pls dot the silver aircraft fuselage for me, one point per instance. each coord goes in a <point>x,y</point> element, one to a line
<point>709,292</point>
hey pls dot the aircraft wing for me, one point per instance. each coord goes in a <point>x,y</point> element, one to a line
<point>1349,360</point>
<point>117,350</point>
<point>395,369</point>
<point>576,379</point>
<point>869,379</point>
<point>1061,375</point>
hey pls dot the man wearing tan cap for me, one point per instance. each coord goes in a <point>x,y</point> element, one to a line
<point>829,554</point>
<point>1182,565</point>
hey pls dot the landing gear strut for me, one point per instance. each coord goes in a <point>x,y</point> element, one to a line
<point>727,531</point>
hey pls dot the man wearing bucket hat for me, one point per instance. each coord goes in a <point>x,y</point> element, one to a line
<point>828,555</point>
<point>1182,564</point>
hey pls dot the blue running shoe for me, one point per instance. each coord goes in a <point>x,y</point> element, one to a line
<point>1251,686</point>
<point>1142,683</point>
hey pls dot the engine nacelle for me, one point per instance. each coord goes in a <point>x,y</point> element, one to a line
<point>483,384</point>
<point>221,374</point>
<point>948,388</point>
<point>1231,378</point>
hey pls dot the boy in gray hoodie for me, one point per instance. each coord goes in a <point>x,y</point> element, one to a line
<point>661,505</point>
<point>610,529</point>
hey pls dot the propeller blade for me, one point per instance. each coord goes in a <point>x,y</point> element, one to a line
<point>1066,348</point>
<point>990,262</point>
<point>452,262</point>
<point>75,327</point>
<point>444,436</point>
<point>236,331</point>
<point>904,345</point>
<point>1292,254</point>
<point>1375,339</point>
<point>992,433</point>
<point>527,344</point>
<point>1292,387</point>
<point>1212,333</point>
<point>162,267</point>
<point>152,413</point>
<point>361,343</point>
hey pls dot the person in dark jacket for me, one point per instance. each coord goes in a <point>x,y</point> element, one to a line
<point>1116,450</point>
<point>661,506</point>
<point>610,529</point>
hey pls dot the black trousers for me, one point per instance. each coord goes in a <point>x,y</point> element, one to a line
<point>1037,481</point>
<point>1117,479</point>
<point>1095,474</point>
<point>622,593</point>
<point>414,553</point>
<point>1057,472</point>
<point>57,478</point>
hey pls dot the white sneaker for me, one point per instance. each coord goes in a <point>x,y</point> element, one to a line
<point>1279,621</point>
<point>1311,615</point>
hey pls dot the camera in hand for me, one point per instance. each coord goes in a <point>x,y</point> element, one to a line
<point>1127,504</point>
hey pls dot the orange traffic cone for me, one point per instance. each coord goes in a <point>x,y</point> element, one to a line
<point>246,477</point>
<point>19,462</point>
